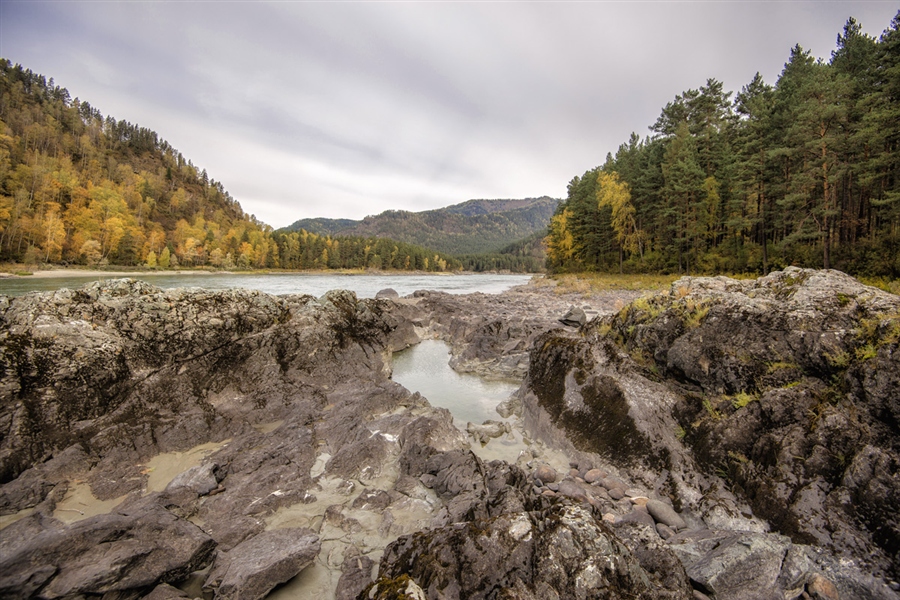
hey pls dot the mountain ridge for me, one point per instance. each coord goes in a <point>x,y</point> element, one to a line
<point>472,227</point>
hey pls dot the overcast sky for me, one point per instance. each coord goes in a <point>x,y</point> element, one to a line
<point>345,109</point>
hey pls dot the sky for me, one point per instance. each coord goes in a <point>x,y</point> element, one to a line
<point>347,109</point>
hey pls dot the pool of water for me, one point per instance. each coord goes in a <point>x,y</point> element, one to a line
<point>425,368</point>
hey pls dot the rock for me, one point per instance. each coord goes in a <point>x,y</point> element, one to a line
<point>592,475</point>
<point>545,474</point>
<point>387,293</point>
<point>665,514</point>
<point>664,531</point>
<point>252,568</point>
<point>356,574</point>
<point>489,429</point>
<point>200,479</point>
<point>566,553</point>
<point>165,591</point>
<point>819,588</point>
<point>116,552</point>
<point>574,317</point>
<point>616,494</point>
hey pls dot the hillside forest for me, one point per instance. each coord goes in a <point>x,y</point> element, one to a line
<point>805,172</point>
<point>80,189</point>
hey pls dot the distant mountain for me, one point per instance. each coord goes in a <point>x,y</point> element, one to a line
<point>472,227</point>
<point>321,225</point>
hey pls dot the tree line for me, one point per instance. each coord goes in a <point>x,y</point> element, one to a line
<point>79,188</point>
<point>805,172</point>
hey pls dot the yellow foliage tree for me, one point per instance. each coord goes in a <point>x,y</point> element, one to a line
<point>616,194</point>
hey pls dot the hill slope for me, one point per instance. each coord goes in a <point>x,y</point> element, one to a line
<point>472,227</point>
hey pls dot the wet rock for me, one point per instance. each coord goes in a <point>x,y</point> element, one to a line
<point>356,574</point>
<point>252,568</point>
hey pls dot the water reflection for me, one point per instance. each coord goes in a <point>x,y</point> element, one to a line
<point>425,368</point>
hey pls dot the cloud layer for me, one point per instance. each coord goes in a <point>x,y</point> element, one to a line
<point>306,109</point>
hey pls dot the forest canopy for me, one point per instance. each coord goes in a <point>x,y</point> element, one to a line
<point>805,172</point>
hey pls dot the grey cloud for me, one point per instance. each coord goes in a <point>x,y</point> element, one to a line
<point>347,109</point>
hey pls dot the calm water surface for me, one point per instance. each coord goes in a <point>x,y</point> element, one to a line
<point>425,368</point>
<point>365,286</point>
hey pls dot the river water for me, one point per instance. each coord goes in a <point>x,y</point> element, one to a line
<point>365,286</point>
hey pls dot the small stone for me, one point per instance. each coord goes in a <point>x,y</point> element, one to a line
<point>548,493</point>
<point>609,517</point>
<point>616,494</point>
<point>634,492</point>
<point>698,595</point>
<point>640,500</point>
<point>575,317</point>
<point>553,486</point>
<point>637,516</point>
<point>820,588</point>
<point>593,475</point>
<point>545,474</point>
<point>663,513</point>
<point>574,473</point>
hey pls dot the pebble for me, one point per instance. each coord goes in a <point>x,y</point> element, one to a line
<point>821,588</point>
<point>609,517</point>
<point>545,474</point>
<point>640,500</point>
<point>616,494</point>
<point>573,473</point>
<point>634,492</point>
<point>593,475</point>
<point>698,595</point>
<point>553,486</point>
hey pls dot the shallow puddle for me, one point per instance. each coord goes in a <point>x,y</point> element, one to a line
<point>163,468</point>
<point>425,368</point>
<point>80,503</point>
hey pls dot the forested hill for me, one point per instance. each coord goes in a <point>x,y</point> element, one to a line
<point>805,172</point>
<point>472,227</point>
<point>80,188</point>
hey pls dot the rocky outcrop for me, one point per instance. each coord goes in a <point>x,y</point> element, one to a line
<point>137,546</point>
<point>746,404</point>
<point>292,393</point>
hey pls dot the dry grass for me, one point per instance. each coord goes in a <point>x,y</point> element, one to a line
<point>592,283</point>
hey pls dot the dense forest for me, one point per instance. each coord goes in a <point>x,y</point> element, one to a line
<point>805,172</point>
<point>80,189</point>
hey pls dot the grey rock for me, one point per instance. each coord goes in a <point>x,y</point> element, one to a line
<point>665,514</point>
<point>200,479</point>
<point>568,553</point>
<point>117,552</point>
<point>574,317</point>
<point>164,591</point>
<point>356,574</point>
<point>387,293</point>
<point>252,568</point>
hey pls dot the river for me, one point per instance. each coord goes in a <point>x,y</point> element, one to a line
<point>365,286</point>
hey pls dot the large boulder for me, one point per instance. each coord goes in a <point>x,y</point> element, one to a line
<point>133,548</point>
<point>251,569</point>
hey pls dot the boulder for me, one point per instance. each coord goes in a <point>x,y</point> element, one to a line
<point>129,550</point>
<point>574,317</point>
<point>252,568</point>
